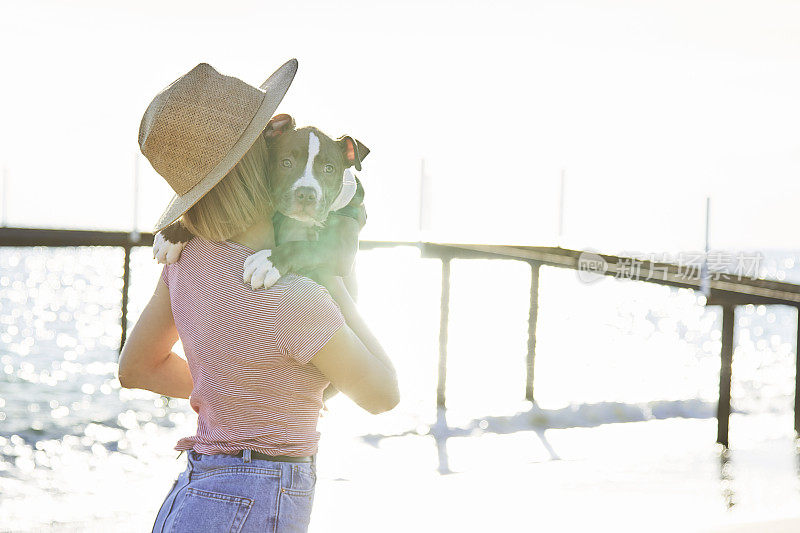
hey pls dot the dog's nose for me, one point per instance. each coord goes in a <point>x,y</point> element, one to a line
<point>305,195</point>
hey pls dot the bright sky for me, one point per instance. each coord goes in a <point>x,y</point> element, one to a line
<point>649,106</point>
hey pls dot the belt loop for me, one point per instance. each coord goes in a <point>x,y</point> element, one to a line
<point>246,455</point>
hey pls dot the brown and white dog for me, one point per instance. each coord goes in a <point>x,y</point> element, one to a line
<point>319,209</point>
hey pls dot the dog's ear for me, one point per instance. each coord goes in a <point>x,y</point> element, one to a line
<point>354,152</point>
<point>279,124</point>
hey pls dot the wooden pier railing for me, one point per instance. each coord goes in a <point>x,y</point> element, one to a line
<point>722,290</point>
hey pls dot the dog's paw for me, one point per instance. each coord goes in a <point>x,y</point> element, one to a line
<point>165,251</point>
<point>259,270</point>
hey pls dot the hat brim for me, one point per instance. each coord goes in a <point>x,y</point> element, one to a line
<point>275,86</point>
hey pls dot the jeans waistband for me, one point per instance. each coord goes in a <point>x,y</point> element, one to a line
<point>247,455</point>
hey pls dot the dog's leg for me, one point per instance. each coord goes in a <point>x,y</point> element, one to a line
<point>260,268</point>
<point>169,242</point>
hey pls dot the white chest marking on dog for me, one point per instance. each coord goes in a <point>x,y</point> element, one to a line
<point>308,179</point>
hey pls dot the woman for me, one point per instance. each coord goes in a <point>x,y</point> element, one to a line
<point>258,361</point>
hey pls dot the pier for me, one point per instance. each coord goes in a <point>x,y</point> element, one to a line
<point>722,290</point>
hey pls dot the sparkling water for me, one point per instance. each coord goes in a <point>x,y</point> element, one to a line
<point>75,448</point>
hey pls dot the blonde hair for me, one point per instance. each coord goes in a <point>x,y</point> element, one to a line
<point>239,200</point>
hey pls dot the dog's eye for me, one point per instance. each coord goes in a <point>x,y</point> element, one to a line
<point>328,168</point>
<point>286,163</point>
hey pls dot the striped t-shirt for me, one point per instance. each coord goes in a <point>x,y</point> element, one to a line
<point>248,352</point>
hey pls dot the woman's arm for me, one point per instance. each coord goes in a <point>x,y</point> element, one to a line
<point>357,372</point>
<point>360,352</point>
<point>147,360</point>
<point>338,291</point>
<point>340,294</point>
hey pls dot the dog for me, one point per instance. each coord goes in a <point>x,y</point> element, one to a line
<point>319,207</point>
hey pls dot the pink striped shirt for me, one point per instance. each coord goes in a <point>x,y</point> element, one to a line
<point>248,352</point>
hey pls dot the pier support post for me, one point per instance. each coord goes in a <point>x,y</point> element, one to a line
<point>126,274</point>
<point>533,314</point>
<point>726,361</point>
<point>443,323</point>
<point>797,379</point>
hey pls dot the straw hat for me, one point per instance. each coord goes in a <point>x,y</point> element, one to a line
<point>197,129</point>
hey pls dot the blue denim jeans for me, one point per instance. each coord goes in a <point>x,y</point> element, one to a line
<point>223,493</point>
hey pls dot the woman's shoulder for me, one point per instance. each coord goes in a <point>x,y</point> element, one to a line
<point>305,296</point>
<point>295,286</point>
<point>194,247</point>
<point>202,258</point>
<point>199,250</point>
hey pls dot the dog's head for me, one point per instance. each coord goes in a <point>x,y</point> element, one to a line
<point>306,168</point>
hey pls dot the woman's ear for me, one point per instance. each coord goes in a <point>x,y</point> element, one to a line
<point>279,124</point>
<point>354,152</point>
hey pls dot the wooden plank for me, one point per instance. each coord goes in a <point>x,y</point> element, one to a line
<point>69,237</point>
<point>373,245</point>
<point>723,291</point>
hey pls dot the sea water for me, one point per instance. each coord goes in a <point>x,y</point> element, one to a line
<point>626,375</point>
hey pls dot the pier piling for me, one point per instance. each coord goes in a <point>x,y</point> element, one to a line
<point>797,379</point>
<point>443,324</point>
<point>126,277</point>
<point>726,361</point>
<point>533,313</point>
